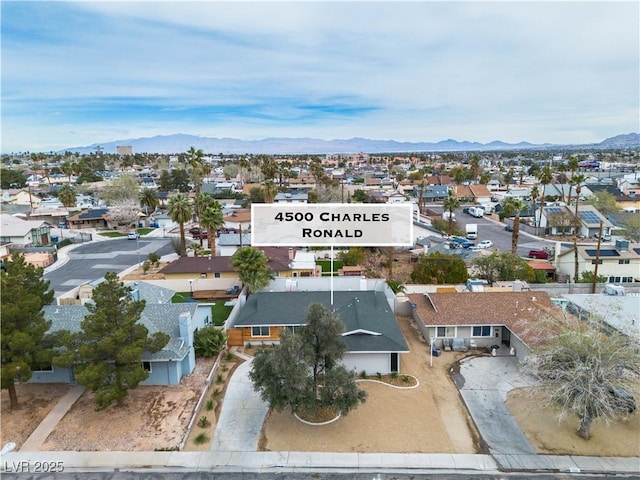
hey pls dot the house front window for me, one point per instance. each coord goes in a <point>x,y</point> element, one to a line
<point>445,332</point>
<point>259,331</point>
<point>481,331</point>
<point>146,366</point>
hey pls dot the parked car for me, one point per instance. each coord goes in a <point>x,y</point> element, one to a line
<point>199,235</point>
<point>485,244</point>
<point>194,230</point>
<point>508,228</point>
<point>539,254</point>
<point>457,242</point>
<point>133,235</point>
<point>154,224</point>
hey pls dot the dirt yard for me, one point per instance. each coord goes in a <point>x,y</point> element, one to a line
<point>548,436</point>
<point>430,418</point>
<point>152,417</point>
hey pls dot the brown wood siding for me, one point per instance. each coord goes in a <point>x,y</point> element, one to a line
<point>234,337</point>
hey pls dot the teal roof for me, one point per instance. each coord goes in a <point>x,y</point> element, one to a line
<point>370,325</point>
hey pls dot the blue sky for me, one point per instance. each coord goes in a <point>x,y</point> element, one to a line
<point>88,72</point>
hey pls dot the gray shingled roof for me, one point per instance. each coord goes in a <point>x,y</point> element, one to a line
<point>361,312</point>
<point>156,317</point>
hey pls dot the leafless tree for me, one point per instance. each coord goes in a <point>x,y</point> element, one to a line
<point>123,213</point>
<point>584,369</point>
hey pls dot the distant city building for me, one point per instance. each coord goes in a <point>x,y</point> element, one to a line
<point>124,150</point>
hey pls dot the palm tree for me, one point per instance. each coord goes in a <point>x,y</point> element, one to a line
<point>252,268</point>
<point>573,168</point>
<point>199,170</point>
<point>148,200</point>
<point>545,177</point>
<point>212,219</point>
<point>180,212</point>
<point>534,198</point>
<point>67,195</point>
<point>450,204</point>
<point>513,206</point>
<point>576,180</point>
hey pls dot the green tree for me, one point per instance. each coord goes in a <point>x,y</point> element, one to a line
<point>604,202</point>
<point>631,225</point>
<point>359,196</point>
<point>10,178</point>
<point>212,219</point>
<point>24,328</point>
<point>545,177</point>
<point>148,199</point>
<point>252,268</point>
<point>586,276</point>
<point>352,257</point>
<point>123,190</point>
<point>107,353</point>
<point>503,266</point>
<point>513,206</point>
<point>438,268</point>
<point>256,195</point>
<point>180,212</point>
<point>579,366</point>
<point>67,195</point>
<point>450,205</point>
<point>304,372</point>
<point>209,341</point>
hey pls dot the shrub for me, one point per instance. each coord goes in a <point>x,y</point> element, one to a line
<point>203,422</point>
<point>209,341</point>
<point>225,368</point>
<point>154,259</point>
<point>219,378</point>
<point>394,375</point>
<point>363,374</point>
<point>64,243</point>
<point>379,375</point>
<point>146,266</point>
<point>210,404</point>
<point>200,439</point>
<point>405,378</point>
<point>228,356</point>
<point>216,392</point>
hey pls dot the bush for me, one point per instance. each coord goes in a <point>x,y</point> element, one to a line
<point>64,243</point>
<point>200,439</point>
<point>379,375</point>
<point>209,404</point>
<point>216,392</point>
<point>204,423</point>
<point>209,341</point>
<point>146,266</point>
<point>154,259</point>
<point>219,378</point>
<point>363,374</point>
<point>228,356</point>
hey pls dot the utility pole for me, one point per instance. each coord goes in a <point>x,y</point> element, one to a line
<point>595,270</point>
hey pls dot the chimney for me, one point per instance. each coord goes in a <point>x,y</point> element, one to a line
<point>186,332</point>
<point>291,254</point>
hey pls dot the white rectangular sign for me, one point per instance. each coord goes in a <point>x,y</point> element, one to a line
<point>325,224</point>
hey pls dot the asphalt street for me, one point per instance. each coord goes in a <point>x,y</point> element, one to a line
<point>91,261</point>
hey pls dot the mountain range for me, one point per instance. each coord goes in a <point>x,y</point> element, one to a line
<point>177,143</point>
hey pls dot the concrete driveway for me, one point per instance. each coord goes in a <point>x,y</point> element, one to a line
<point>484,383</point>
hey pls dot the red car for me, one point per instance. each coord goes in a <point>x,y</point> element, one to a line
<point>539,254</point>
<point>197,236</point>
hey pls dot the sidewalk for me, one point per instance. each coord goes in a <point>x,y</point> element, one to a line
<point>48,424</point>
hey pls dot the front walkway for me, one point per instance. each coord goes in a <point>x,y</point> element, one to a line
<point>242,414</point>
<point>42,432</point>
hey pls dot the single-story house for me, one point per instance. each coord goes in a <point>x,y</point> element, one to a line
<point>166,367</point>
<point>90,218</point>
<point>24,233</point>
<point>374,340</point>
<point>482,319</point>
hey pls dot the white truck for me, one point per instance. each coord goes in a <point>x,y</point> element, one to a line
<point>472,231</point>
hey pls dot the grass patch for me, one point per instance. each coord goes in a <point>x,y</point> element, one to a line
<point>145,230</point>
<point>326,266</point>
<point>112,234</point>
<point>219,312</point>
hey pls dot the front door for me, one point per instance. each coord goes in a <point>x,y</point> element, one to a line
<point>394,362</point>
<point>506,337</point>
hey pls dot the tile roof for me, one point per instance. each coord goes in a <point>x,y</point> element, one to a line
<point>515,310</point>
<point>361,311</point>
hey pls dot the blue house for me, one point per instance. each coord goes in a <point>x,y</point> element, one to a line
<point>167,367</point>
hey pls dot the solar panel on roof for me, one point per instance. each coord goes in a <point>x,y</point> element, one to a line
<point>589,217</point>
<point>554,210</point>
<point>603,253</point>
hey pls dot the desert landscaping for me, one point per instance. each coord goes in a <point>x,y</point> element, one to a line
<point>430,418</point>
